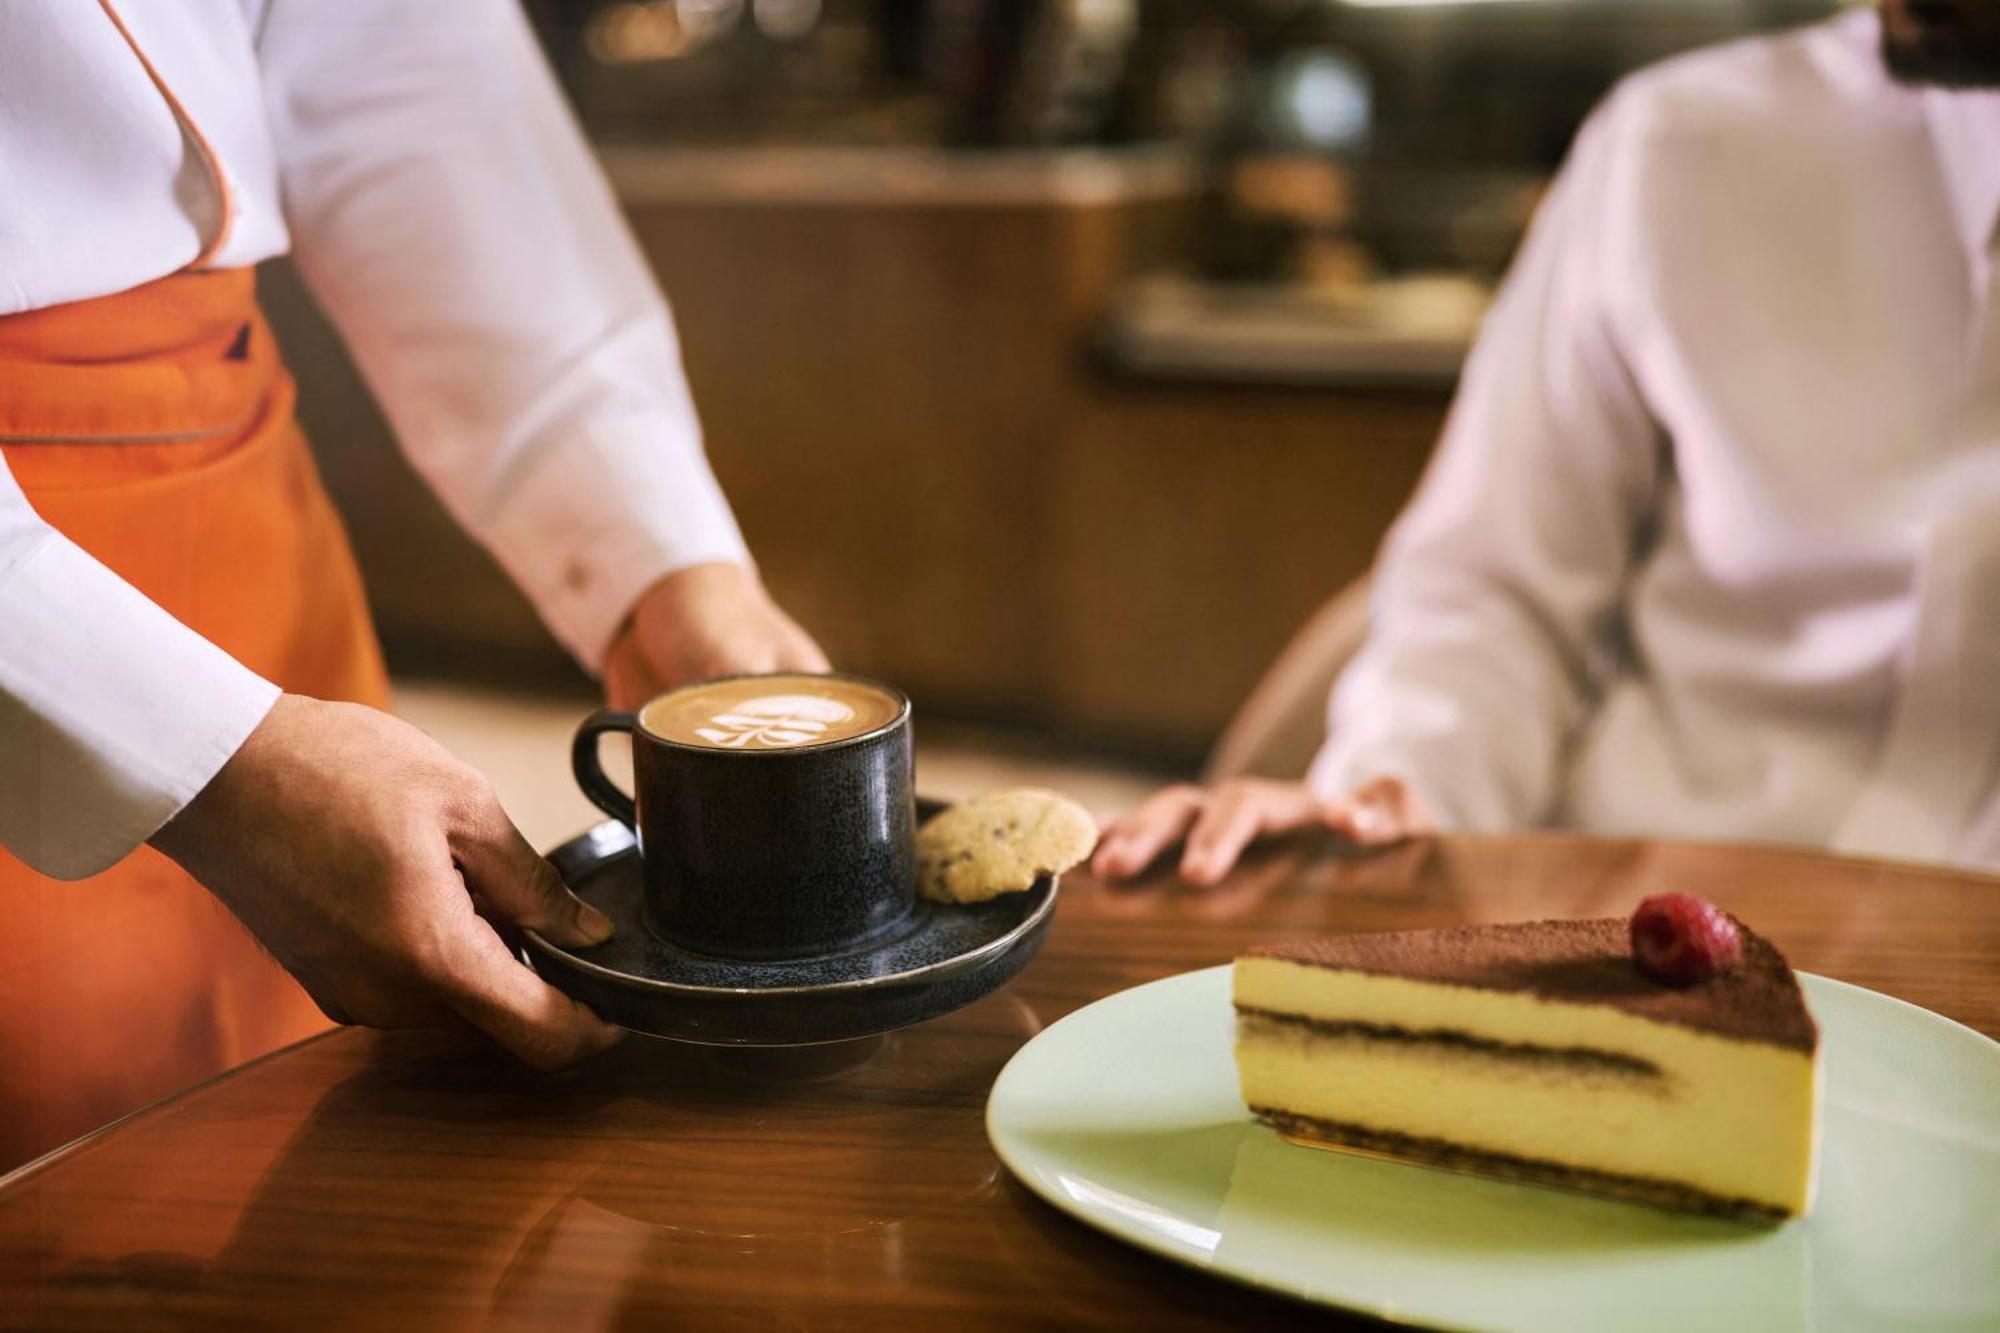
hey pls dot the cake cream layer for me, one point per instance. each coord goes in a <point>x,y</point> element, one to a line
<point>1523,1075</point>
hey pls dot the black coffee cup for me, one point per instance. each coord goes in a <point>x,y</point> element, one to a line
<point>766,833</point>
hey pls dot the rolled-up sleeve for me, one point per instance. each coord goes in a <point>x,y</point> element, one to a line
<point>453,223</point>
<point>1496,590</point>
<point>113,714</point>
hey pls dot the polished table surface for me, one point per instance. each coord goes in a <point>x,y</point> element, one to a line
<point>415,1180</point>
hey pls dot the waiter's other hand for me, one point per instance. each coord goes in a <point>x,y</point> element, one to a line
<point>1219,822</point>
<point>368,860</point>
<point>702,621</point>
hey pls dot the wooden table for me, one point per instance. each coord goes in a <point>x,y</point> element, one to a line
<point>370,1180</point>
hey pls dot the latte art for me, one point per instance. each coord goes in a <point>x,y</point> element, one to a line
<point>777,712</point>
<point>774,720</point>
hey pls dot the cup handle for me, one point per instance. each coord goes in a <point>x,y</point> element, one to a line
<point>589,769</point>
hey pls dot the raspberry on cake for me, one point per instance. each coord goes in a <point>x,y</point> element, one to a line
<point>1681,939</point>
<point>1541,1052</point>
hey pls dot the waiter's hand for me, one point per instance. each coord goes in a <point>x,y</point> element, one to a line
<point>368,860</point>
<point>702,621</point>
<point>1219,822</point>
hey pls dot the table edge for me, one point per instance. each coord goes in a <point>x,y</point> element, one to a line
<point>63,1151</point>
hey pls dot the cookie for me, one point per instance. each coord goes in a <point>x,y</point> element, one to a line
<point>1001,842</point>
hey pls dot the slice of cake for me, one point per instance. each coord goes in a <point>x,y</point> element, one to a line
<point>1544,1052</point>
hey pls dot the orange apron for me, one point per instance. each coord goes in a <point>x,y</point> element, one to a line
<point>154,428</point>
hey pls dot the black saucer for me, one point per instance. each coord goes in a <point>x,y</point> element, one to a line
<point>938,959</point>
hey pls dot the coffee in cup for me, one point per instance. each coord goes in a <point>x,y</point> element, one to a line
<point>771,712</point>
<point>776,815</point>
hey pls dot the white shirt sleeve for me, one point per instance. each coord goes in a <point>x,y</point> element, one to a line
<point>1494,590</point>
<point>113,714</point>
<point>451,220</point>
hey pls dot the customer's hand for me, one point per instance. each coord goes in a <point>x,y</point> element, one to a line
<point>369,862</point>
<point>702,621</point>
<point>1219,822</point>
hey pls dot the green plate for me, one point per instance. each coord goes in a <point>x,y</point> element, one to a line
<point>1125,1115</point>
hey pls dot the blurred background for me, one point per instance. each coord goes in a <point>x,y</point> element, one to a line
<point>1060,357</point>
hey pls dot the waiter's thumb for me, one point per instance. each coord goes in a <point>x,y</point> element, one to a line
<point>520,886</point>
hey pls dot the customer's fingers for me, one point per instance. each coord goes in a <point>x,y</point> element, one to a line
<point>491,990</point>
<point>515,883</point>
<point>1364,823</point>
<point>1130,845</point>
<point>1415,816</point>
<point>1225,826</point>
<point>1237,814</point>
<point>1380,811</point>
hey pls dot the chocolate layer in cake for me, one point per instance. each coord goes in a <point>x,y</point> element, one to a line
<point>1455,1157</point>
<point>1529,1052</point>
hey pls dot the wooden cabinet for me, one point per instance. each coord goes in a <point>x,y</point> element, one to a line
<point>1198,527</point>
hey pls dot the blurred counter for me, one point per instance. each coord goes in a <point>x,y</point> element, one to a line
<point>651,176</point>
<point>1414,332</point>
